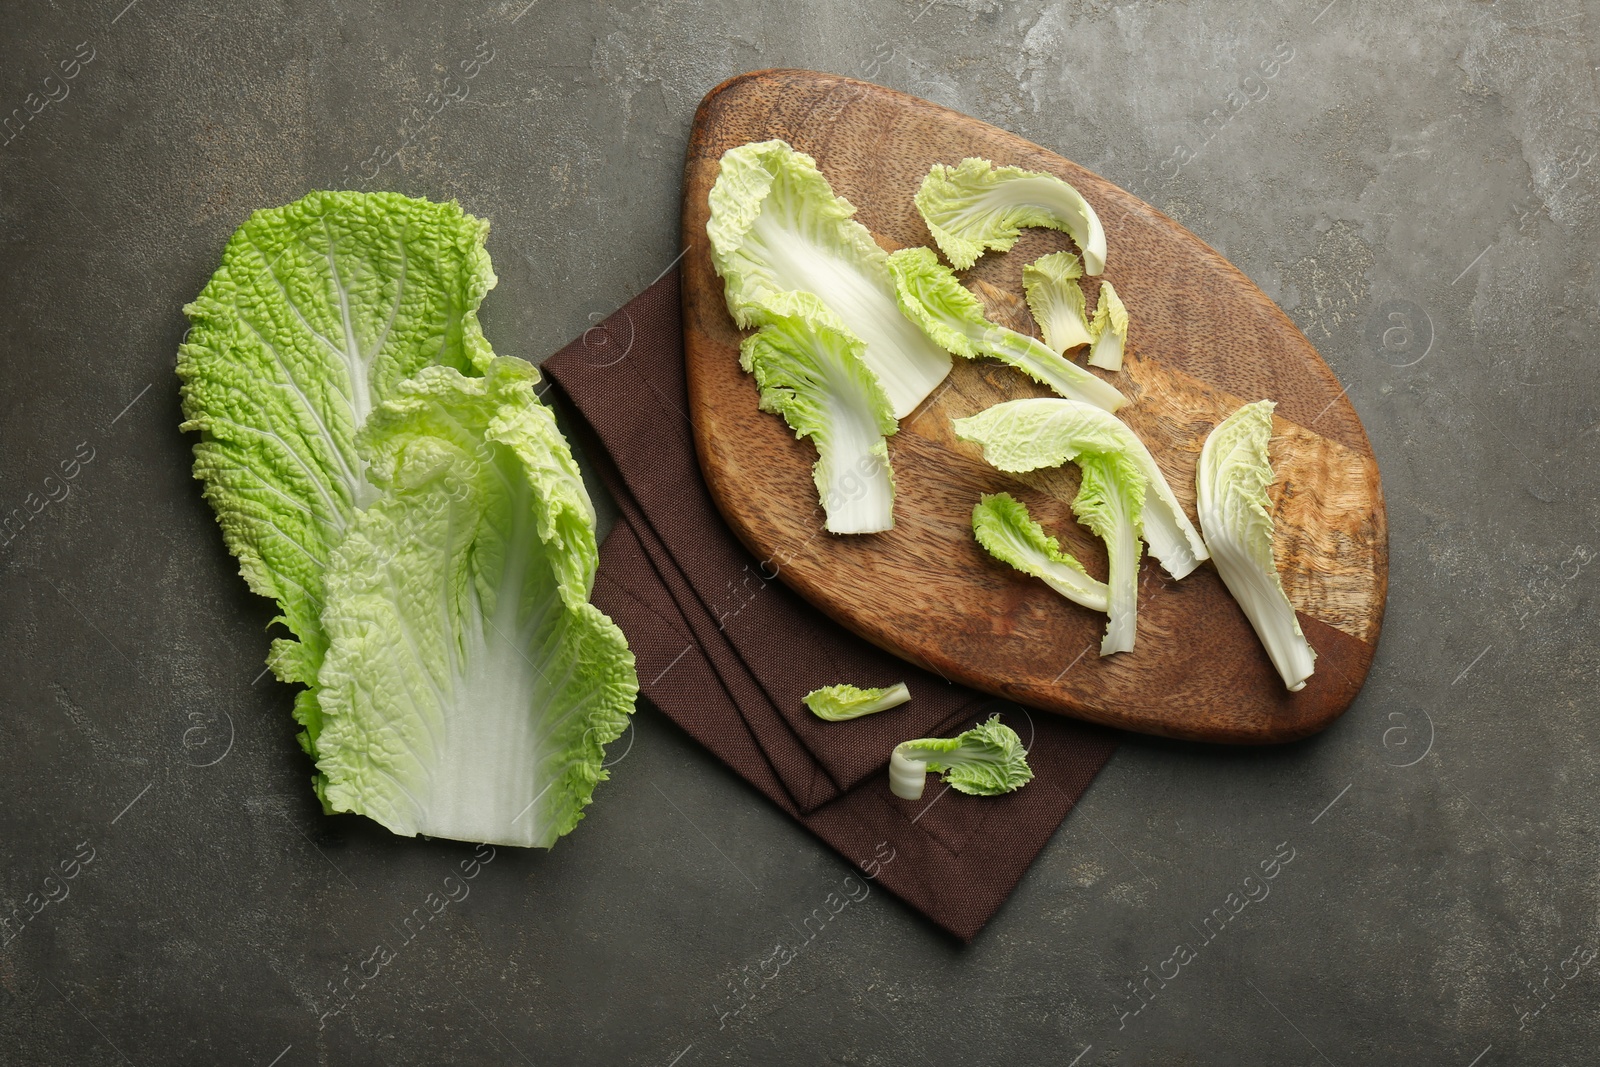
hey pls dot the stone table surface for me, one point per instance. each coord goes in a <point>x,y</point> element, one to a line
<point>1416,184</point>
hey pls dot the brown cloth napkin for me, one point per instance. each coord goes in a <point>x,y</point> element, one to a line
<point>727,652</point>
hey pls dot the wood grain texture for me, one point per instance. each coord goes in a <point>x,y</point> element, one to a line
<point>1203,340</point>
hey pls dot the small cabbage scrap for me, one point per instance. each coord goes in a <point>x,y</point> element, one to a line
<point>1004,528</point>
<point>1110,329</point>
<point>1056,300</point>
<point>986,761</point>
<point>952,315</point>
<point>1236,515</point>
<point>1024,435</point>
<point>837,703</point>
<point>813,374</point>
<point>776,227</point>
<point>977,205</point>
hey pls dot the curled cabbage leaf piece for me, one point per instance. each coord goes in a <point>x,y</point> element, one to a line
<point>319,309</point>
<point>838,703</point>
<point>952,315</point>
<point>985,761</point>
<point>1025,435</point>
<point>1109,328</point>
<point>1056,300</point>
<point>469,686</point>
<point>776,227</point>
<point>1236,514</point>
<point>978,206</point>
<point>1006,530</point>
<point>812,374</point>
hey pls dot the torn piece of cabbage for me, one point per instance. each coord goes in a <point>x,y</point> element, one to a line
<point>813,375</point>
<point>1004,528</point>
<point>1056,300</point>
<point>839,703</point>
<point>1024,435</point>
<point>978,205</point>
<point>1236,514</point>
<point>985,761</point>
<point>777,227</point>
<point>1111,503</point>
<point>1109,328</point>
<point>952,315</point>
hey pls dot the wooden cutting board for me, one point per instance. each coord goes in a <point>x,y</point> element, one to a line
<point>1203,340</point>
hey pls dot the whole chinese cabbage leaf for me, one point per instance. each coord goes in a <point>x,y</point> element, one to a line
<point>469,685</point>
<point>318,310</point>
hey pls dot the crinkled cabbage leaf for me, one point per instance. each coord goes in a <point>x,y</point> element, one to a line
<point>1236,514</point>
<point>776,227</point>
<point>1006,530</point>
<point>1109,328</point>
<point>1056,300</point>
<point>985,761</point>
<point>977,206</point>
<point>1110,502</point>
<point>812,374</point>
<point>469,686</point>
<point>1025,435</point>
<point>318,310</point>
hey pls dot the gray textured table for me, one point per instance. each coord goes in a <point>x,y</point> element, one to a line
<point>1415,184</point>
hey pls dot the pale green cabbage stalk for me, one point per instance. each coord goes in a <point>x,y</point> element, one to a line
<point>1004,528</point>
<point>1109,328</point>
<point>1056,300</point>
<point>1235,512</point>
<point>985,761</point>
<point>952,315</point>
<point>839,703</point>
<point>812,374</point>
<point>470,686</point>
<point>318,310</point>
<point>776,227</point>
<point>1025,435</point>
<point>977,205</point>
